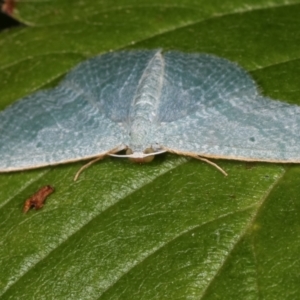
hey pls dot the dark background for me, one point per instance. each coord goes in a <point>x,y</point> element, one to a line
<point>6,21</point>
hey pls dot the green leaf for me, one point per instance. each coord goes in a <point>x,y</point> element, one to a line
<point>175,228</point>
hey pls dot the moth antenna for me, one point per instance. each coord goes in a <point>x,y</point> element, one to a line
<point>132,155</point>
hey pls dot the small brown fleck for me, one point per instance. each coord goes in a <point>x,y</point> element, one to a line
<point>8,6</point>
<point>37,200</point>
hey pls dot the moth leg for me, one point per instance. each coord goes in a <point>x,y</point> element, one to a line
<point>211,163</point>
<point>197,157</point>
<point>87,165</point>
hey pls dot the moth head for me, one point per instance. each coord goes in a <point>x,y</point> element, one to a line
<point>144,156</point>
<point>140,157</point>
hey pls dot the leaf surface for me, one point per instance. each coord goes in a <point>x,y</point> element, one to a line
<point>172,229</point>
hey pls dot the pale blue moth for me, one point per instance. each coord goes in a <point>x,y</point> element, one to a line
<point>149,102</point>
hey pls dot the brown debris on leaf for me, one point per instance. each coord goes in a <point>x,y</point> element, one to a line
<point>8,7</point>
<point>38,199</point>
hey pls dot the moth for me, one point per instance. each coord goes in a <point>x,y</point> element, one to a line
<point>148,102</point>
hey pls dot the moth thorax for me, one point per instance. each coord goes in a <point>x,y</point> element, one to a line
<point>140,131</point>
<point>141,159</point>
